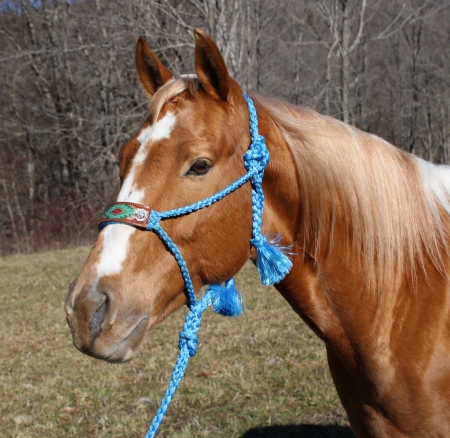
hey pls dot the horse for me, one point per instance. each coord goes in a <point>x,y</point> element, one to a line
<point>367,225</point>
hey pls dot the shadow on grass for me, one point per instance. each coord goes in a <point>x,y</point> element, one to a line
<point>299,431</point>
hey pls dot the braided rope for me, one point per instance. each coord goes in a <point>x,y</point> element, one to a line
<point>255,161</point>
<point>208,201</point>
<point>153,225</point>
<point>188,347</point>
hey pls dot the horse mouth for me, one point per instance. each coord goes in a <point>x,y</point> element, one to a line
<point>120,352</point>
<point>126,350</point>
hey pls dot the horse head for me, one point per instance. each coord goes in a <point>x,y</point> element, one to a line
<point>189,147</point>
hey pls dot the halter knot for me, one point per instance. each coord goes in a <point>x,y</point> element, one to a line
<point>189,334</point>
<point>153,220</point>
<point>257,157</point>
<point>189,339</point>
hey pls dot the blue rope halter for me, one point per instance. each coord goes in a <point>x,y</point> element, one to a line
<point>272,261</point>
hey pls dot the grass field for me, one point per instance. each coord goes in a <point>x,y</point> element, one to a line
<point>261,375</point>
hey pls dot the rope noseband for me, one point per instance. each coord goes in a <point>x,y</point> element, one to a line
<point>272,261</point>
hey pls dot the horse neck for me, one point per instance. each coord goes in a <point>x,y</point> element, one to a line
<point>320,292</point>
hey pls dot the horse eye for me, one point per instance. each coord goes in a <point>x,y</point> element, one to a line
<point>200,167</point>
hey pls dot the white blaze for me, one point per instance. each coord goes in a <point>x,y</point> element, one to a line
<point>116,237</point>
<point>115,245</point>
<point>160,130</point>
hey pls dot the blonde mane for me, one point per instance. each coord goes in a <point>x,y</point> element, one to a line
<point>386,205</point>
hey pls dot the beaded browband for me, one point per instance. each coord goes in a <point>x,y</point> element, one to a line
<point>272,261</point>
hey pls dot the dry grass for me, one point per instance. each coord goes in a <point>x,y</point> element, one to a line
<point>251,373</point>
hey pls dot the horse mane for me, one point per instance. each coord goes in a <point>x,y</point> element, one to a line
<point>382,206</point>
<point>386,206</point>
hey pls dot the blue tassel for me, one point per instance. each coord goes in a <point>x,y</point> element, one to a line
<point>227,299</point>
<point>272,262</point>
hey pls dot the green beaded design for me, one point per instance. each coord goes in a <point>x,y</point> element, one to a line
<point>119,211</point>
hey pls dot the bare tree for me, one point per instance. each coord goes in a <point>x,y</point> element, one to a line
<point>69,97</point>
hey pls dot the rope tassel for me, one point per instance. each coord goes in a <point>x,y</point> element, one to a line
<point>272,260</point>
<point>228,300</point>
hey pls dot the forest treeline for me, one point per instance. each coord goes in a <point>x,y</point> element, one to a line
<point>69,95</point>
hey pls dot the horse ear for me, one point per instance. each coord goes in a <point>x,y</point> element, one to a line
<point>152,73</point>
<point>211,69</point>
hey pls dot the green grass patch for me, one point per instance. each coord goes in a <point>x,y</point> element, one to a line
<point>261,375</point>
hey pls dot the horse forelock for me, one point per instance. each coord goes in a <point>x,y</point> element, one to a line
<point>174,87</point>
<point>382,208</point>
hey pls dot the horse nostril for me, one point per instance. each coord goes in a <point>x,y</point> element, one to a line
<point>95,325</point>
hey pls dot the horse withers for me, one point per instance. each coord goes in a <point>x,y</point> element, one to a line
<point>368,224</point>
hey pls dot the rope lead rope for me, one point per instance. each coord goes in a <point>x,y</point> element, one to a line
<point>272,261</point>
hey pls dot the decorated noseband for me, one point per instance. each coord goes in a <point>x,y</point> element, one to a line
<point>272,262</point>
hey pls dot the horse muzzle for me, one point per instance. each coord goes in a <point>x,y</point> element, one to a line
<point>98,331</point>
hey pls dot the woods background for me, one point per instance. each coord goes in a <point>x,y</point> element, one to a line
<point>69,96</point>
